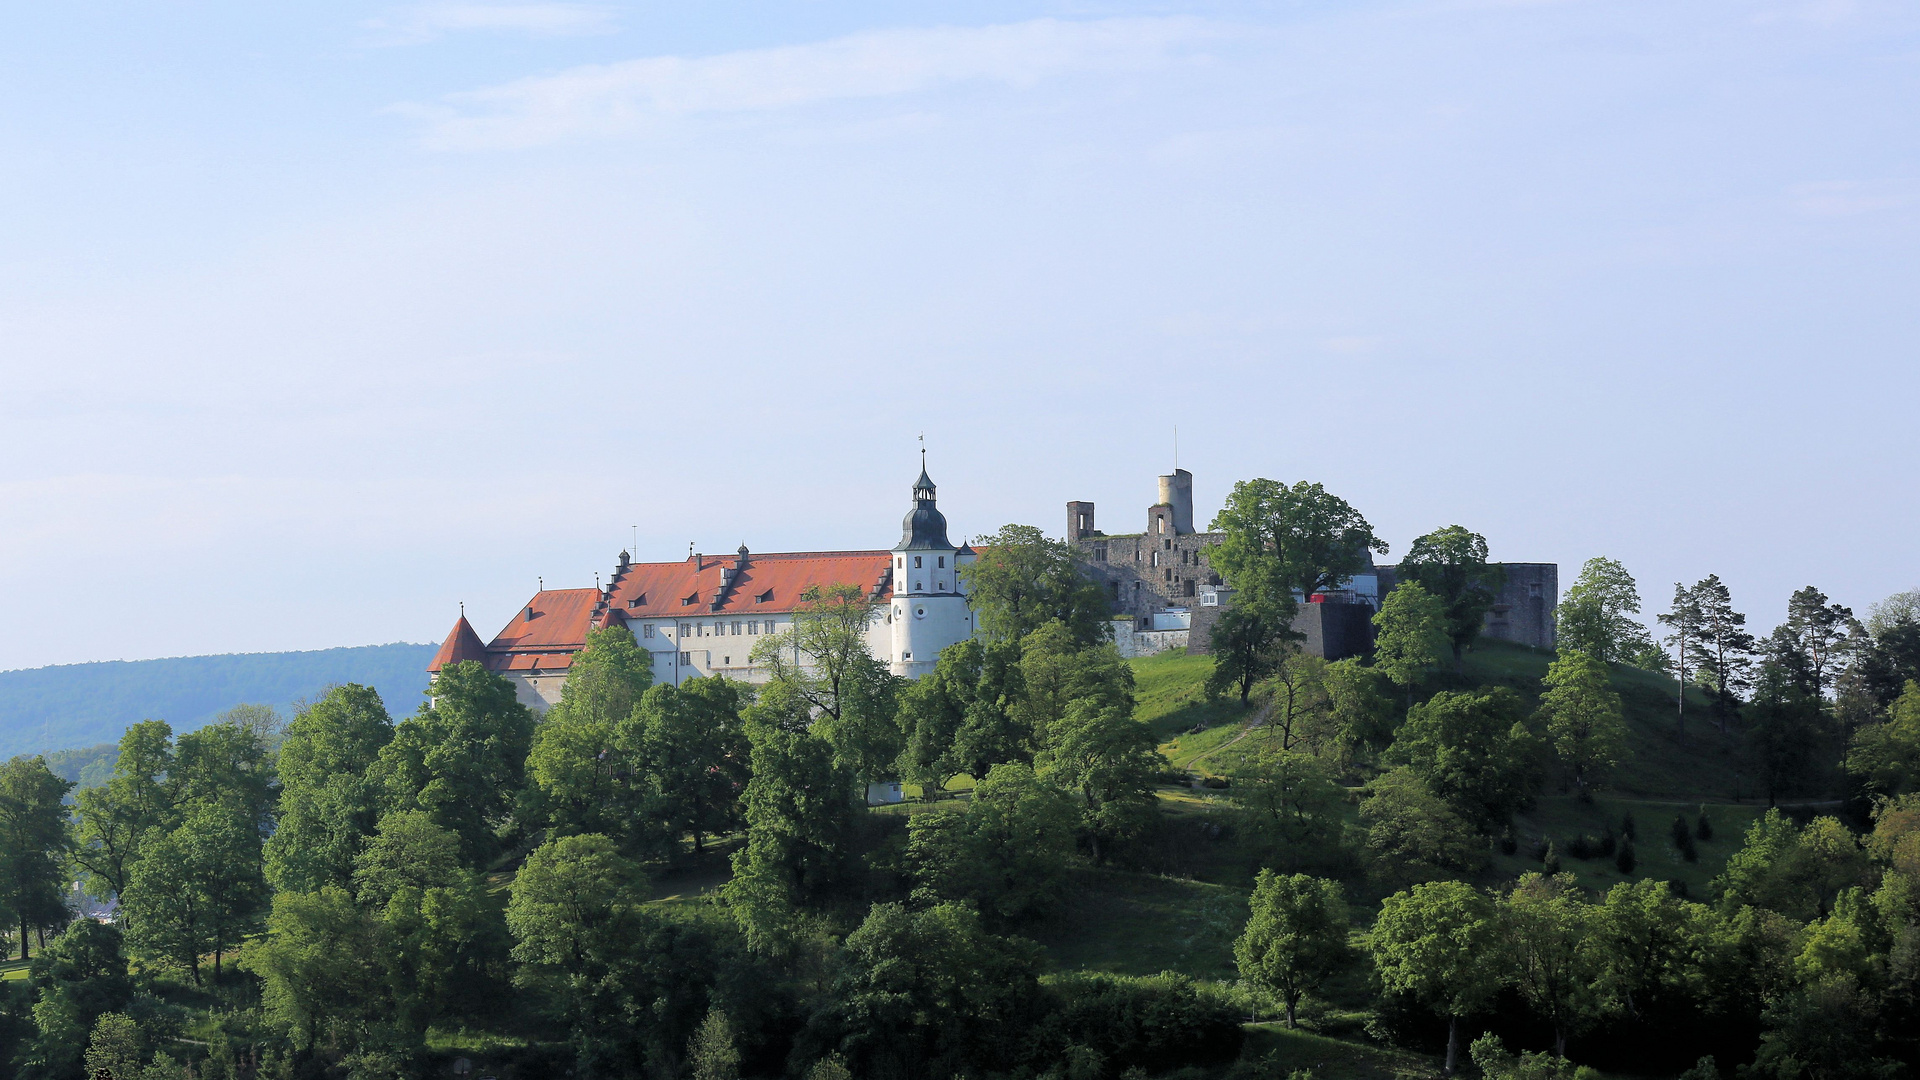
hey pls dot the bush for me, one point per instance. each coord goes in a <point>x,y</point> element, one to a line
<point>1628,829</point>
<point>1624,859</point>
<point>1581,847</point>
<point>1609,843</point>
<point>1551,859</point>
<point>1703,828</point>
<point>1683,839</point>
<point>1495,1063</point>
<point>1155,1023</point>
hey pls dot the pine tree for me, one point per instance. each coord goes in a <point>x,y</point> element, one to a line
<point>1722,651</point>
<point>1684,620</point>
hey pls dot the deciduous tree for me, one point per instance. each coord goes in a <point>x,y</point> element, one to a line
<point>1440,944</point>
<point>463,758</point>
<point>1282,540</point>
<point>328,804</point>
<point>1472,749</point>
<point>1583,718</point>
<point>1296,936</point>
<point>1596,615</point>
<point>1451,563</point>
<point>33,845</point>
<point>1548,929</point>
<point>1023,579</point>
<point>1410,635</point>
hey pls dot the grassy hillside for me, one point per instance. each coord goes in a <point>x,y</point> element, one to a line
<point>44,709</point>
<point>1706,769</point>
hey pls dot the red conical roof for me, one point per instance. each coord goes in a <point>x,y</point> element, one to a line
<point>461,644</point>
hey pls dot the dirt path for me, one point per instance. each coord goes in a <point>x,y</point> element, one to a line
<point>1257,720</point>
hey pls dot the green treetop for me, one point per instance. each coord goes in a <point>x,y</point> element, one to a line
<point>1023,579</point>
<point>1451,563</point>
<point>1296,936</point>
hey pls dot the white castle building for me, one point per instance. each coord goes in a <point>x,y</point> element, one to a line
<point>703,616</point>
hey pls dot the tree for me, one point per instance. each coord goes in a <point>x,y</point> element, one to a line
<point>1783,732</point>
<point>961,717</point>
<point>582,934</point>
<point>1413,834</point>
<point>1296,936</point>
<point>33,845</point>
<point>1112,761</point>
<point>1451,563</point>
<point>819,661</point>
<point>322,980</point>
<point>1249,643</point>
<point>1651,946</point>
<point>229,764</point>
<point>930,993</point>
<point>1057,674</point>
<point>1291,803</point>
<point>1021,580</point>
<point>1901,607</point>
<point>328,804</point>
<point>606,678</point>
<point>1360,717</point>
<point>1439,943</point>
<point>697,754</point>
<point>1298,711</point>
<point>1007,853</point>
<point>463,758</point>
<point>115,1051</point>
<point>799,815</point>
<point>1473,750</point>
<point>200,889</point>
<point>1815,641</point>
<point>1548,928</point>
<point>1410,635</point>
<point>1684,621</point>
<point>81,975</point>
<point>1886,756</point>
<point>135,806</point>
<point>1722,648</point>
<point>711,1053</point>
<point>1596,615</point>
<point>1282,540</point>
<point>1583,718</point>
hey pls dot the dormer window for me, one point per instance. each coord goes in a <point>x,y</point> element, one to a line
<point>637,601</point>
<point>690,600</point>
<point>764,598</point>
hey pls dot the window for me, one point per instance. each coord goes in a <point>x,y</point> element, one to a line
<point>753,626</point>
<point>920,613</point>
<point>688,601</point>
<point>943,562</point>
<point>685,630</point>
<point>646,630</point>
<point>726,661</point>
<point>736,628</point>
<point>1116,589</point>
<point>764,598</point>
<point>686,658</point>
<point>918,587</point>
<point>1189,587</point>
<point>916,562</point>
<point>942,585</point>
<point>1156,558</point>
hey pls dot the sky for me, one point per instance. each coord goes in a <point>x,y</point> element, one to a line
<point>318,321</point>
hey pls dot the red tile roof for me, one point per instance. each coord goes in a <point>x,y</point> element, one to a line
<point>703,585</point>
<point>546,633</point>
<point>461,644</point>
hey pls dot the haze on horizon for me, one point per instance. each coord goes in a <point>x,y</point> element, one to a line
<point>318,321</point>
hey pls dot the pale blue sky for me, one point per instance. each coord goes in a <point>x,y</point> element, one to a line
<point>319,319</point>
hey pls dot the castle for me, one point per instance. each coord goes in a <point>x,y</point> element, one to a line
<point>704,615</point>
<point>1166,595</point>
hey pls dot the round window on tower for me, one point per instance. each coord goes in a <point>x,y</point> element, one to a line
<point>919,613</point>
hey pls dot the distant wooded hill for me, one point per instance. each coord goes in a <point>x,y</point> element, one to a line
<point>79,705</point>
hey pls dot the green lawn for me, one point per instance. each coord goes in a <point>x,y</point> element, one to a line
<point>1142,924</point>
<point>1286,1052</point>
<point>13,970</point>
<point>1563,817</point>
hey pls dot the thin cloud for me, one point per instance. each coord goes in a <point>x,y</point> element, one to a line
<point>427,22</point>
<point>618,99</point>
